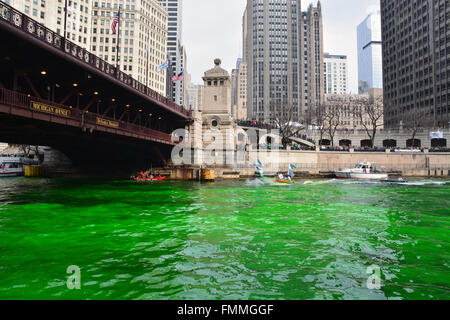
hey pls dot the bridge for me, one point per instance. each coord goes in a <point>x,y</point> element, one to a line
<point>55,93</point>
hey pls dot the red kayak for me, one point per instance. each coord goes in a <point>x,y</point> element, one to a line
<point>160,178</point>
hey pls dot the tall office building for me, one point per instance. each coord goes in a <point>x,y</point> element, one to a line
<point>239,90</point>
<point>192,96</point>
<point>234,89</point>
<point>51,14</point>
<point>283,48</point>
<point>335,74</point>
<point>142,43</point>
<point>174,40</point>
<point>180,85</point>
<point>416,62</point>
<point>370,70</point>
<point>241,99</point>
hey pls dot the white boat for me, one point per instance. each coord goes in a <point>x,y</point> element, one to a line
<point>364,170</point>
<point>14,166</point>
<point>343,173</point>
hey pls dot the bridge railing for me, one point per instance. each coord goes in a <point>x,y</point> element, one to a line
<point>31,27</point>
<point>86,119</point>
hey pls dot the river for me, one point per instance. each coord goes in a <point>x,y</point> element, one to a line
<point>224,240</point>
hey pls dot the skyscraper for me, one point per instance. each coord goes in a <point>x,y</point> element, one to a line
<point>239,90</point>
<point>416,62</point>
<point>241,106</point>
<point>283,49</point>
<point>370,70</point>
<point>335,74</point>
<point>174,48</point>
<point>142,39</point>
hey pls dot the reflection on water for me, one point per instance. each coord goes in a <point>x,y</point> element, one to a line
<point>227,240</point>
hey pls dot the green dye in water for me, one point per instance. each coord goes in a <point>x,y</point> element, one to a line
<point>226,240</point>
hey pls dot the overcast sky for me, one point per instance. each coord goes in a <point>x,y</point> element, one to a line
<point>213,29</point>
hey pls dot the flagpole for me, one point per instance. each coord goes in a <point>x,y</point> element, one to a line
<point>117,47</point>
<point>148,53</point>
<point>65,20</point>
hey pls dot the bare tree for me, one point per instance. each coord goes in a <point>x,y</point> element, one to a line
<point>334,117</point>
<point>284,120</point>
<point>27,149</point>
<point>370,114</point>
<point>317,117</point>
<point>414,123</point>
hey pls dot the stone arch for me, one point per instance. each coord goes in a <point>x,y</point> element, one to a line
<point>325,142</point>
<point>345,143</point>
<point>438,143</point>
<point>390,143</point>
<point>366,143</point>
<point>413,143</point>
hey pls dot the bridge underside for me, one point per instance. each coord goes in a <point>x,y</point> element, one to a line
<point>94,152</point>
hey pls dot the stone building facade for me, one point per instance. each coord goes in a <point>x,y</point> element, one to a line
<point>51,14</point>
<point>212,121</point>
<point>352,107</point>
<point>143,35</point>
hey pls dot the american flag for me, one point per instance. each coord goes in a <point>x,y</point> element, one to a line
<point>115,22</point>
<point>178,77</point>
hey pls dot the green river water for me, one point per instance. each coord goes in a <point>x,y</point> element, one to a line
<point>225,240</point>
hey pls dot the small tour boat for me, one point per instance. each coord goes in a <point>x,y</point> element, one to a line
<point>364,170</point>
<point>14,166</point>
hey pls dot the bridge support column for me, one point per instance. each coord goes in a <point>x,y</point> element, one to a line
<point>56,162</point>
<point>196,133</point>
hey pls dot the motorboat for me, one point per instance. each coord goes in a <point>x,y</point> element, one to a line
<point>399,180</point>
<point>364,170</point>
<point>343,173</point>
<point>14,166</point>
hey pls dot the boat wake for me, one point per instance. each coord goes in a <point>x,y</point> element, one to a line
<point>260,183</point>
<point>379,182</point>
<point>321,182</point>
<point>426,183</point>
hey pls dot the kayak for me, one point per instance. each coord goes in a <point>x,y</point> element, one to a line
<point>150,179</point>
<point>284,181</point>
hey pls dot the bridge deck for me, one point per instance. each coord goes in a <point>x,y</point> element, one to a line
<point>13,21</point>
<point>18,104</point>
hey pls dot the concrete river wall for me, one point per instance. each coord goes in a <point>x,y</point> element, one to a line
<point>323,163</point>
